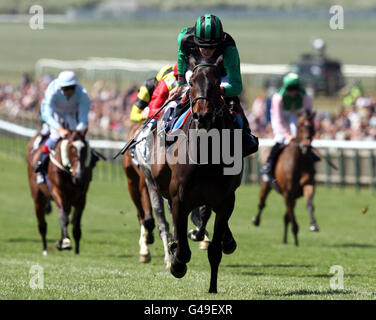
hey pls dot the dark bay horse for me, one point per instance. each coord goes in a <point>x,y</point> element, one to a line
<point>295,175</point>
<point>147,199</point>
<point>188,184</point>
<point>69,176</point>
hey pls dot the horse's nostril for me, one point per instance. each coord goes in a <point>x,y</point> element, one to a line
<point>195,116</point>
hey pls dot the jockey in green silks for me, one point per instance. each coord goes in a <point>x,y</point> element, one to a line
<point>206,39</point>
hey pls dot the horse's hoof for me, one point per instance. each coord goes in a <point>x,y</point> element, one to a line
<point>314,228</point>
<point>256,222</point>
<point>58,245</point>
<point>213,290</point>
<point>45,253</point>
<point>178,269</point>
<point>204,245</point>
<point>66,244</point>
<point>145,258</point>
<point>229,247</point>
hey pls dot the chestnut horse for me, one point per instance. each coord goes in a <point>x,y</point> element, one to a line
<point>188,184</point>
<point>295,175</point>
<point>69,176</point>
<point>146,198</point>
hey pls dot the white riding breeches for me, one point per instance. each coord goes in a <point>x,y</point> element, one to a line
<point>290,122</point>
<point>67,121</point>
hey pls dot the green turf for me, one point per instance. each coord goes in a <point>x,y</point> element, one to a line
<point>261,268</point>
<point>259,41</point>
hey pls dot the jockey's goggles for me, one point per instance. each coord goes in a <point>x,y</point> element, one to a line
<point>293,87</point>
<point>69,88</point>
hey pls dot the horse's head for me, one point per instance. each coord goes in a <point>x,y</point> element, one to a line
<point>306,129</point>
<point>77,151</point>
<point>205,92</point>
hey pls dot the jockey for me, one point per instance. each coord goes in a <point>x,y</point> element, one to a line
<point>207,39</point>
<point>162,91</point>
<point>145,94</point>
<point>65,107</point>
<point>290,98</point>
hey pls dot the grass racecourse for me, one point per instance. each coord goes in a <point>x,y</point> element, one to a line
<point>259,40</point>
<point>261,267</point>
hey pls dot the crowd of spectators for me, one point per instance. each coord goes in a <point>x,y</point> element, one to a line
<point>355,122</point>
<point>111,108</point>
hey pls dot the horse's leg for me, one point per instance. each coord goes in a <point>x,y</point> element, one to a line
<point>309,191</point>
<point>223,214</point>
<point>265,190</point>
<point>147,226</point>
<point>63,209</point>
<point>148,220</point>
<point>229,244</point>
<point>40,206</point>
<point>205,213</point>
<point>180,249</point>
<point>76,221</point>
<point>140,198</point>
<point>200,217</point>
<point>290,204</point>
<point>286,221</point>
<point>65,242</point>
<point>163,226</point>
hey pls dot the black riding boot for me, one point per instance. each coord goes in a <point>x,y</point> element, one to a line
<point>314,156</point>
<point>41,167</point>
<point>250,142</point>
<point>268,168</point>
<point>94,158</point>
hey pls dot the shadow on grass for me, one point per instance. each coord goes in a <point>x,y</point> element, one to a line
<point>351,245</point>
<point>305,292</point>
<point>23,240</point>
<point>277,265</point>
<point>324,275</point>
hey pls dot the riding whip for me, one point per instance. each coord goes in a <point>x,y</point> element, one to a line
<point>130,142</point>
<point>326,159</point>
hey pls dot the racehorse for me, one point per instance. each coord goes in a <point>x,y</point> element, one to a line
<point>189,185</point>
<point>295,175</point>
<point>146,198</point>
<point>69,176</point>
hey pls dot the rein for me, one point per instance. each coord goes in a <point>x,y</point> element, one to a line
<point>58,164</point>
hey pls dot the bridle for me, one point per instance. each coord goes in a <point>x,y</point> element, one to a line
<point>217,112</point>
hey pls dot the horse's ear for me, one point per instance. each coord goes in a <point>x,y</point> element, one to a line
<point>219,60</point>
<point>84,131</point>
